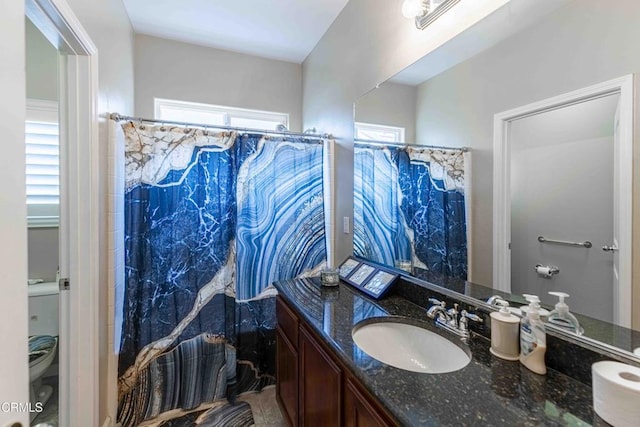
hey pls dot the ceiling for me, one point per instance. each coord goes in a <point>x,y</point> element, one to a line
<point>287,30</point>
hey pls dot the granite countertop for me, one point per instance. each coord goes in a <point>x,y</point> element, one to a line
<point>488,391</point>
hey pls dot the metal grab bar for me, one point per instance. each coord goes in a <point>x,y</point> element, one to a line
<point>586,243</point>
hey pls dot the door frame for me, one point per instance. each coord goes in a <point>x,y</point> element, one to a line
<point>502,185</point>
<point>79,209</point>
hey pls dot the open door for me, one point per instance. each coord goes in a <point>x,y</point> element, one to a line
<point>14,369</point>
<point>614,251</point>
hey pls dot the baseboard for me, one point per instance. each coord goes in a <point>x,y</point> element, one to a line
<point>108,422</point>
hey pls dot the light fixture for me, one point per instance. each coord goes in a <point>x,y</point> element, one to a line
<point>426,11</point>
<point>412,8</point>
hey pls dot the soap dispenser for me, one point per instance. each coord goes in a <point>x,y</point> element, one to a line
<point>504,333</point>
<point>561,316</point>
<point>533,339</point>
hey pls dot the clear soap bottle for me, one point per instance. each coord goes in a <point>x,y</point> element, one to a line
<point>561,316</point>
<point>533,338</point>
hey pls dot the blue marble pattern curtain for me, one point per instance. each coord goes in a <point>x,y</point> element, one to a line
<point>409,204</point>
<point>211,220</point>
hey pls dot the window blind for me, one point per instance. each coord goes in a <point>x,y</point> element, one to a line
<point>42,150</point>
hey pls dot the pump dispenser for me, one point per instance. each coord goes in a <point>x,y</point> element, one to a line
<point>533,339</point>
<point>561,316</point>
<point>504,333</point>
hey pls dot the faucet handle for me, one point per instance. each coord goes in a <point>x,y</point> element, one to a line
<point>494,299</point>
<point>437,302</point>
<point>465,316</point>
<point>472,316</point>
<point>454,311</point>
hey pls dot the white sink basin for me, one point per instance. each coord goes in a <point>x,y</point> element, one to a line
<point>409,347</point>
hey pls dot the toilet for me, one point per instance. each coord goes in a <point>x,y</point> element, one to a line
<point>43,337</point>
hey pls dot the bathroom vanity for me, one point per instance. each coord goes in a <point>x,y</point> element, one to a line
<point>324,378</point>
<point>314,386</point>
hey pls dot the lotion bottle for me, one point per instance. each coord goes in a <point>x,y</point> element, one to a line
<point>533,339</point>
<point>504,333</point>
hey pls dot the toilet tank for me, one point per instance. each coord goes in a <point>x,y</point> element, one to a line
<point>43,309</point>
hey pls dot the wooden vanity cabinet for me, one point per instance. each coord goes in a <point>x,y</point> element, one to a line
<point>287,362</point>
<point>360,411</point>
<point>313,388</point>
<point>320,384</point>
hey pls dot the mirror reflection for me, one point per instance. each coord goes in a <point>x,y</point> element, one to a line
<point>419,196</point>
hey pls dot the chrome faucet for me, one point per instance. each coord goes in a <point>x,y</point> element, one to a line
<point>438,308</point>
<point>493,299</point>
<point>452,320</point>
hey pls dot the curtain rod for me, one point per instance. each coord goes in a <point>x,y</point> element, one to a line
<point>118,117</point>
<point>403,144</point>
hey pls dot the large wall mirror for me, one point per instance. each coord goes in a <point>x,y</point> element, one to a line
<point>499,176</point>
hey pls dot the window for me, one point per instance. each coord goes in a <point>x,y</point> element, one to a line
<point>42,163</point>
<point>382,133</point>
<point>217,115</point>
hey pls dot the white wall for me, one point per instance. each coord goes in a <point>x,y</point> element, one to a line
<point>108,26</point>
<point>186,72</point>
<point>42,83</point>
<point>369,42</point>
<point>562,188</point>
<point>561,198</point>
<point>391,104</point>
<point>567,50</point>
<point>42,65</point>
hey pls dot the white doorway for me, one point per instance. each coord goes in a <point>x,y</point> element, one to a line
<point>577,215</point>
<point>79,230</point>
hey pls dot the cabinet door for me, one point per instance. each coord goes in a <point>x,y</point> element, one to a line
<point>360,411</point>
<point>320,384</point>
<point>287,378</point>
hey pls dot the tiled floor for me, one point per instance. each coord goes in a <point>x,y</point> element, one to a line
<point>266,412</point>
<point>49,416</point>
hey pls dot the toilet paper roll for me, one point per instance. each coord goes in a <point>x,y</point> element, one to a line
<point>616,393</point>
<point>543,271</point>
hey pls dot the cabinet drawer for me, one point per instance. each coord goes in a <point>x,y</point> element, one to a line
<point>287,321</point>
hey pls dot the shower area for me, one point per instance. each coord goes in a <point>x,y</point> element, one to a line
<point>208,218</point>
<point>410,207</point>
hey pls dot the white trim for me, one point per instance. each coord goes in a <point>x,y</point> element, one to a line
<point>502,189</point>
<point>227,112</point>
<point>468,211</point>
<point>329,165</point>
<point>79,230</point>
<point>42,110</point>
<point>397,131</point>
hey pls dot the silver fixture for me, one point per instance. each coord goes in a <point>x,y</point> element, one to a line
<point>610,248</point>
<point>426,11</point>
<point>463,324</point>
<point>587,244</point>
<point>494,300</point>
<point>118,117</point>
<point>452,320</point>
<point>382,144</point>
<point>549,270</point>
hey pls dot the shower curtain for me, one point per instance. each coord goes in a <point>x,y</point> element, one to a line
<point>211,220</point>
<point>409,203</point>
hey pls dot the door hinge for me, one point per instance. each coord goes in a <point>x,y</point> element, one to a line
<point>63,284</point>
